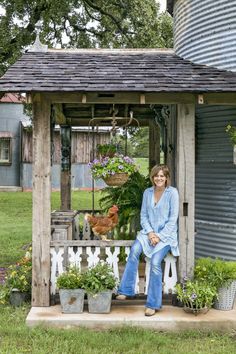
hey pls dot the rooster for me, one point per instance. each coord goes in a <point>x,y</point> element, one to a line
<point>101,225</point>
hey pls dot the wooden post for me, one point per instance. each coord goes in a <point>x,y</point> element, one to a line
<point>154,144</point>
<point>65,167</point>
<point>185,178</point>
<point>41,202</point>
<point>171,143</point>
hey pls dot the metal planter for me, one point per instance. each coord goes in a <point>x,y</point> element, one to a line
<point>100,303</point>
<point>226,297</point>
<point>18,298</point>
<point>72,300</point>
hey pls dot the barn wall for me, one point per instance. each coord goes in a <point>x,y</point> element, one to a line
<point>80,177</point>
<point>10,116</point>
<point>215,184</point>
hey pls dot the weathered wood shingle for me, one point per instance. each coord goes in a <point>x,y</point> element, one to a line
<point>115,70</point>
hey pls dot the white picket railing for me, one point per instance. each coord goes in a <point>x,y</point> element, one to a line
<point>86,253</point>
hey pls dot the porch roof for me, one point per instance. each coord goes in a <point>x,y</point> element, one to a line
<point>120,70</point>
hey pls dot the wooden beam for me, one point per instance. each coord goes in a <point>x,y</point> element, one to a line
<point>41,202</point>
<point>65,167</point>
<point>123,97</point>
<point>171,143</point>
<point>185,165</point>
<point>219,98</point>
<point>59,117</point>
<point>154,144</point>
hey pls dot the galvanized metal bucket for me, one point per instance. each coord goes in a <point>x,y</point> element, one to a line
<point>226,297</point>
<point>100,303</point>
<point>72,300</point>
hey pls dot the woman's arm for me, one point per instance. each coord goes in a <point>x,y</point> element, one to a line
<point>144,214</point>
<point>170,226</point>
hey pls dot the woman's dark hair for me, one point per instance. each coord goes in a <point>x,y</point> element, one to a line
<point>156,169</point>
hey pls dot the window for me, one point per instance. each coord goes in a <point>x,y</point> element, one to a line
<point>5,150</point>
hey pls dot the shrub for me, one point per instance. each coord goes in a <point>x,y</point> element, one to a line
<point>215,272</point>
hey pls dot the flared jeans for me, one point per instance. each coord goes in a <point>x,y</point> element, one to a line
<point>127,284</point>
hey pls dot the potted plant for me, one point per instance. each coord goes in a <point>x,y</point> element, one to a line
<point>197,297</point>
<point>106,150</point>
<point>222,275</point>
<point>18,280</point>
<point>114,170</point>
<point>99,283</point>
<point>71,292</point>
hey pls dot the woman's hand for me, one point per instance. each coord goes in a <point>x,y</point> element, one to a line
<point>153,238</point>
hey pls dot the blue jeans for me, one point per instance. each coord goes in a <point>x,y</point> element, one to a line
<point>127,284</point>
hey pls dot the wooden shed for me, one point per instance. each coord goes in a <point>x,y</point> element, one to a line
<point>93,78</point>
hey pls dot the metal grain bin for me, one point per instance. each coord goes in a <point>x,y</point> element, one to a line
<point>205,32</point>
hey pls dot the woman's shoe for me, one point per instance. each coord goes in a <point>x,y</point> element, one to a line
<point>149,312</point>
<point>121,297</point>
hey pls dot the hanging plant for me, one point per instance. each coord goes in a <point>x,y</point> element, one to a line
<point>106,150</point>
<point>113,170</point>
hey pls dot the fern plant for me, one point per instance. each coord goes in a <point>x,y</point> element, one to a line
<point>128,198</point>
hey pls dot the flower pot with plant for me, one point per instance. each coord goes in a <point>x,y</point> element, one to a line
<point>71,292</point>
<point>106,150</point>
<point>115,170</point>
<point>222,275</point>
<point>18,280</point>
<point>197,297</point>
<point>99,283</point>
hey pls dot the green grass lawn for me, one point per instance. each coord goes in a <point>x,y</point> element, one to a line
<point>16,338</point>
<point>142,163</point>
<point>16,220</point>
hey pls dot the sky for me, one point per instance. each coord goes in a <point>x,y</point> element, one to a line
<point>163,5</point>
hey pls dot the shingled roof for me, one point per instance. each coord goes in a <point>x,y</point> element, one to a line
<point>113,70</point>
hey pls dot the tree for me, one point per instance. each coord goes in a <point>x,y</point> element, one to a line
<point>82,24</point>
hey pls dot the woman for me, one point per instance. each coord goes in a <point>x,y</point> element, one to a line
<point>159,216</point>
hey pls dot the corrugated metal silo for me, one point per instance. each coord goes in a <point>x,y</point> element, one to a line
<point>205,33</point>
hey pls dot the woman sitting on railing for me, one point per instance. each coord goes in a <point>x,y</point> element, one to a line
<point>159,216</point>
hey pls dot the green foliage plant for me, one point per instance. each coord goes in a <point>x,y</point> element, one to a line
<point>231,130</point>
<point>215,272</point>
<point>18,276</point>
<point>128,198</point>
<point>196,295</point>
<point>71,279</point>
<point>106,149</point>
<point>108,166</point>
<point>99,278</point>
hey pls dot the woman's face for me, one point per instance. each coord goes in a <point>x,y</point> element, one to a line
<point>160,180</point>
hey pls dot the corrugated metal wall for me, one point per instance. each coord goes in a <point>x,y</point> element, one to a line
<point>205,32</point>
<point>215,183</point>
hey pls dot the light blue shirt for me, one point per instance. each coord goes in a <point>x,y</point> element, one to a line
<point>161,218</point>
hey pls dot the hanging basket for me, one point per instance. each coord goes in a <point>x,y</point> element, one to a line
<point>118,179</point>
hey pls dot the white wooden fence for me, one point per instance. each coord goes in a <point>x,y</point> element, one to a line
<point>86,253</point>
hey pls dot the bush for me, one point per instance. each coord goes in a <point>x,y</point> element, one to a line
<point>215,272</point>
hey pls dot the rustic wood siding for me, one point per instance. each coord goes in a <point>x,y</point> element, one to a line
<point>81,145</point>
